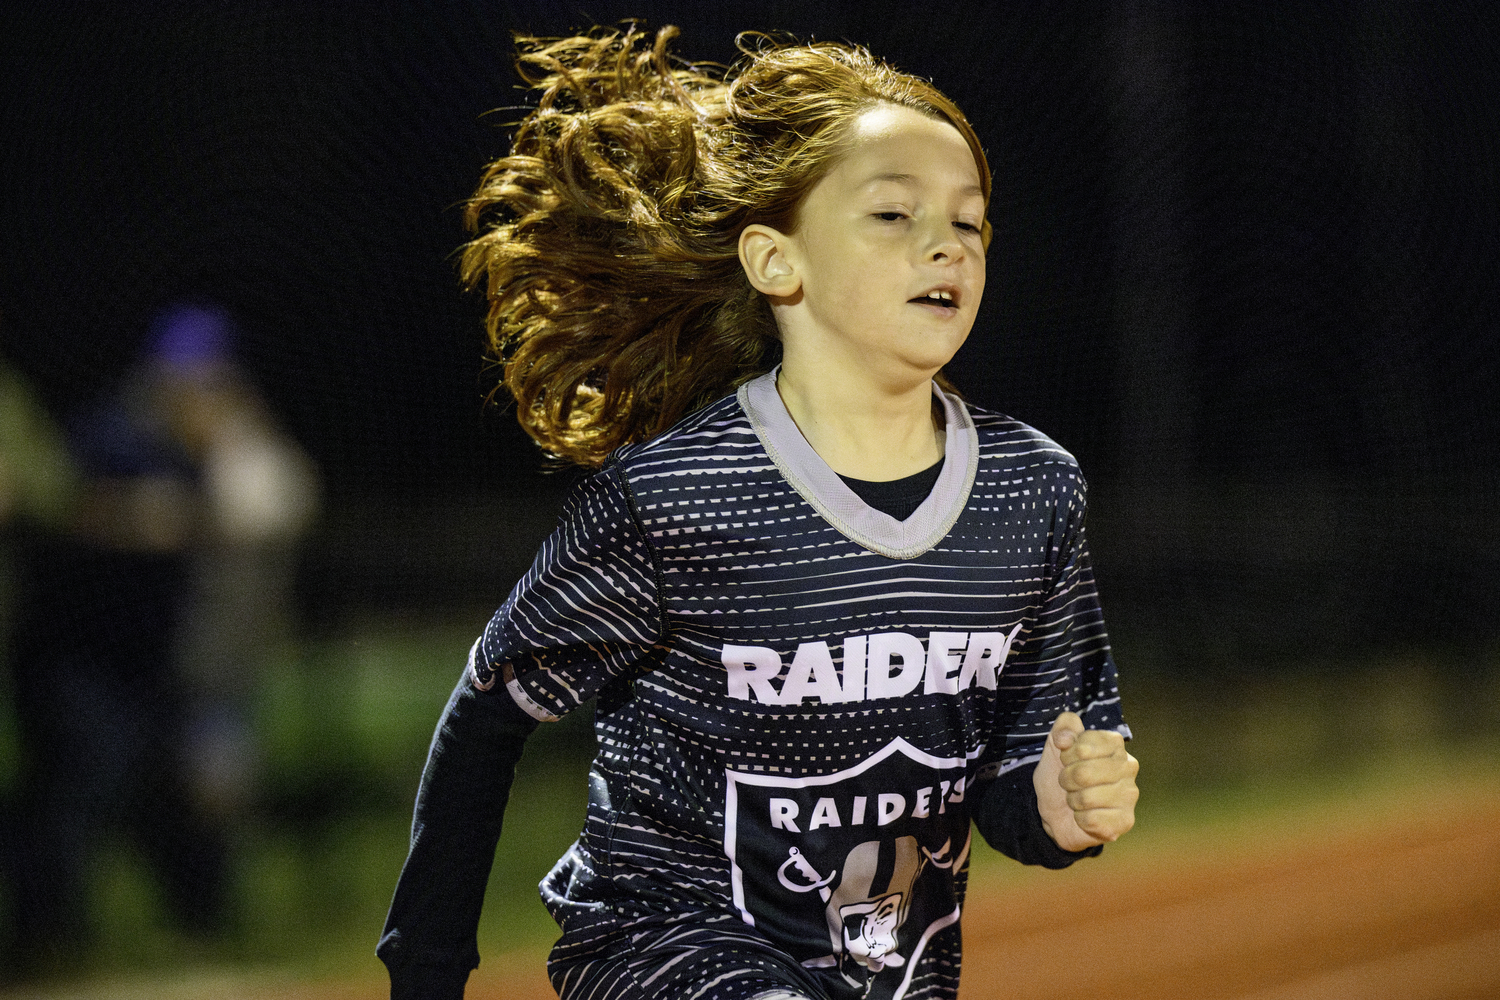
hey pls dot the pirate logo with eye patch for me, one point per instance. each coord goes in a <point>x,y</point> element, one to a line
<point>852,872</point>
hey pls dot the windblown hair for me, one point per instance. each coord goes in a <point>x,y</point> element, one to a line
<point>608,238</point>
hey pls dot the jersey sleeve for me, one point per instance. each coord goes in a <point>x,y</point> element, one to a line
<point>586,613</point>
<point>1073,671</point>
<point>1073,618</point>
<point>1066,656</point>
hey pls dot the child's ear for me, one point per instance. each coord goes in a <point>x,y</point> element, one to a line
<point>763,255</point>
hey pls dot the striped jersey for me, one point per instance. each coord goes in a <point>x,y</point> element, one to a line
<point>798,694</point>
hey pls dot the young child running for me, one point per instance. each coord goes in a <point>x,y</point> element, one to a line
<point>829,612</point>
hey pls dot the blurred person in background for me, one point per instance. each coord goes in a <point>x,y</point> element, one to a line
<point>140,628</point>
<point>259,494</point>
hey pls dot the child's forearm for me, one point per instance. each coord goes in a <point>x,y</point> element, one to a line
<point>429,942</point>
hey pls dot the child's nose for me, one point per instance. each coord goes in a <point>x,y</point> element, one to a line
<point>946,250</point>
<point>943,244</point>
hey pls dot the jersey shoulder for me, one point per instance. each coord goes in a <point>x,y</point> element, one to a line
<point>1011,444</point>
<point>715,439</point>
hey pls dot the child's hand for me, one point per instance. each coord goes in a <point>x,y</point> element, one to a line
<point>1085,785</point>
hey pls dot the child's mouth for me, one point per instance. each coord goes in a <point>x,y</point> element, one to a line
<point>942,300</point>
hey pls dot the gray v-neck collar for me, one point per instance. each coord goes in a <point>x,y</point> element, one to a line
<point>820,486</point>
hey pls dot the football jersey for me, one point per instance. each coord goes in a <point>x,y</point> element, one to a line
<point>797,693</point>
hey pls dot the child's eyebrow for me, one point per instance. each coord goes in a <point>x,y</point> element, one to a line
<point>899,178</point>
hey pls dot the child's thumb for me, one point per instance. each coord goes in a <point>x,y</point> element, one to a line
<point>1066,730</point>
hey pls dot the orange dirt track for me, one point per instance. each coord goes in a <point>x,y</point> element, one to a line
<point>1397,906</point>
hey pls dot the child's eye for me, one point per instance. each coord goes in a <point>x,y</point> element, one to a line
<point>890,216</point>
<point>967,226</point>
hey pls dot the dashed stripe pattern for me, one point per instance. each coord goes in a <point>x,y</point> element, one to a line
<point>695,541</point>
<point>713,957</point>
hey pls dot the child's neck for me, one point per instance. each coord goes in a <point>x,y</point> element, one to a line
<point>862,432</point>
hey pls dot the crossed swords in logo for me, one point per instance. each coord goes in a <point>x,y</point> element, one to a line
<point>796,859</point>
<point>805,868</point>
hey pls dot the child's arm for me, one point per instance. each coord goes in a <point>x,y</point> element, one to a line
<point>583,616</point>
<point>1085,785</point>
<point>429,939</point>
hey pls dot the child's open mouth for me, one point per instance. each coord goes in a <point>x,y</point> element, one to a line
<point>939,298</point>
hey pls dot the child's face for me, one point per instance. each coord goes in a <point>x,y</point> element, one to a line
<point>888,250</point>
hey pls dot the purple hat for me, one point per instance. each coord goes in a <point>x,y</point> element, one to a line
<point>191,336</point>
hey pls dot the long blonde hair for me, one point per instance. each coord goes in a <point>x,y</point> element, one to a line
<point>607,241</point>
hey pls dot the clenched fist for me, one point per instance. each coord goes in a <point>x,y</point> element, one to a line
<point>1085,785</point>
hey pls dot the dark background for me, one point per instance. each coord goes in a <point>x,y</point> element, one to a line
<point>1245,267</point>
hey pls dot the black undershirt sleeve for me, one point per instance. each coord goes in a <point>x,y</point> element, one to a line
<point>1006,814</point>
<point>429,944</point>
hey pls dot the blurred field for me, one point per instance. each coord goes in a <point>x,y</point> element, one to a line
<point>1328,830</point>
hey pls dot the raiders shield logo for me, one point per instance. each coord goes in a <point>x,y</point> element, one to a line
<point>852,872</point>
